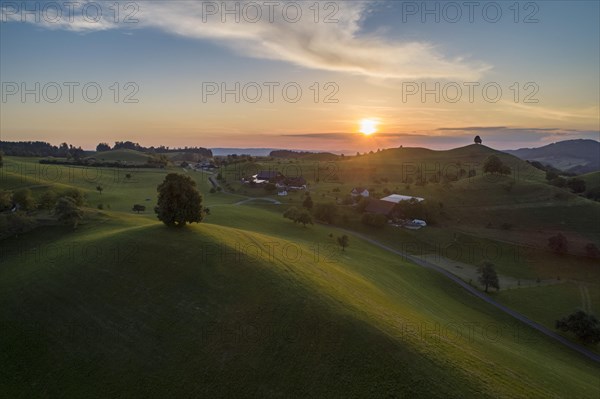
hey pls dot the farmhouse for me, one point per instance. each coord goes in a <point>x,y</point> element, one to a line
<point>356,191</point>
<point>295,183</point>
<point>268,176</point>
<point>395,198</point>
<point>380,207</point>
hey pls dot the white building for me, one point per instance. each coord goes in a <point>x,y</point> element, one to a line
<point>395,198</point>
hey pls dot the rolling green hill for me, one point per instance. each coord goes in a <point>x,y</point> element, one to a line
<point>250,304</point>
<point>128,156</point>
<point>215,311</point>
<point>574,156</point>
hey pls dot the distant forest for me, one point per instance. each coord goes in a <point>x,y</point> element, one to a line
<point>40,149</point>
<point>129,145</point>
<point>288,154</point>
<point>64,150</point>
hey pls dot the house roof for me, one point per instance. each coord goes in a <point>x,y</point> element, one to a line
<point>395,198</point>
<point>268,174</point>
<point>380,207</point>
<point>358,189</point>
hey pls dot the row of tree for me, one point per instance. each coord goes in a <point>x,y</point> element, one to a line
<point>130,145</point>
<point>40,149</point>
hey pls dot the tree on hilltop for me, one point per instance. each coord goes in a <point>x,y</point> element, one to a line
<point>179,202</point>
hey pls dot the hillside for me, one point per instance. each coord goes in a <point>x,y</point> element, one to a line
<point>122,155</point>
<point>592,180</point>
<point>184,320</point>
<point>250,304</point>
<point>573,156</point>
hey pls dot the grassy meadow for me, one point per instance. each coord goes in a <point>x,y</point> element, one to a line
<point>249,304</point>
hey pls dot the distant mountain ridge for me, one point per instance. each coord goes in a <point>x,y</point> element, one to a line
<point>573,156</point>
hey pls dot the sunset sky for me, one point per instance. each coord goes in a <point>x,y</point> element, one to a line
<point>369,56</point>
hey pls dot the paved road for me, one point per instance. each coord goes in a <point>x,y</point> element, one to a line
<point>481,295</point>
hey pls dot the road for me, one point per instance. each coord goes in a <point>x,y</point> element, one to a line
<point>423,263</point>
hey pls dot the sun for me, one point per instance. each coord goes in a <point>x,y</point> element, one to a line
<point>368,126</point>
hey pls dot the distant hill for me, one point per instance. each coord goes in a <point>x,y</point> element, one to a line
<point>122,155</point>
<point>573,156</point>
<point>313,156</point>
<point>255,152</point>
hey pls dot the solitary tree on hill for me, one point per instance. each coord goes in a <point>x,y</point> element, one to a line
<point>488,276</point>
<point>343,242</point>
<point>138,208</point>
<point>99,189</point>
<point>179,202</point>
<point>477,140</point>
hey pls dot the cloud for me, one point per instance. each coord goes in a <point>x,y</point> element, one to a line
<point>336,46</point>
<point>515,136</point>
<point>588,113</point>
<point>502,137</point>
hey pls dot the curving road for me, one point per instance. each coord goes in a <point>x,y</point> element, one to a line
<point>544,330</point>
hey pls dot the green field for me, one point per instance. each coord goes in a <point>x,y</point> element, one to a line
<point>248,304</point>
<point>122,155</point>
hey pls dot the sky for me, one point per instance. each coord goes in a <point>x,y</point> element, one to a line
<point>331,76</point>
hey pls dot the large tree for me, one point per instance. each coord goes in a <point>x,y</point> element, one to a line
<point>298,216</point>
<point>102,147</point>
<point>67,211</point>
<point>583,325</point>
<point>179,202</point>
<point>494,165</point>
<point>304,218</point>
<point>488,276</point>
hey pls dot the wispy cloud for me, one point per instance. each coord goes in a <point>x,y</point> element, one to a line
<point>588,113</point>
<point>338,46</point>
<point>449,137</point>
